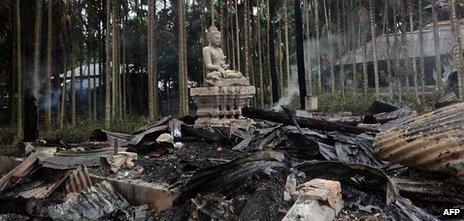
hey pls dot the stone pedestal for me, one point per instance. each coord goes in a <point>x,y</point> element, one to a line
<point>221,105</point>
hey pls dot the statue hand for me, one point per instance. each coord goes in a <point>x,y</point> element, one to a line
<point>225,66</point>
<point>223,72</point>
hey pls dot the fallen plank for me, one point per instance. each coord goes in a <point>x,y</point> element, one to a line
<point>19,172</point>
<point>303,122</point>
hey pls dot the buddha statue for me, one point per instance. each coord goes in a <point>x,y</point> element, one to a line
<point>214,59</point>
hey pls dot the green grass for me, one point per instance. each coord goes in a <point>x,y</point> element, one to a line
<point>84,129</point>
<point>80,133</point>
<point>358,103</point>
<point>348,101</point>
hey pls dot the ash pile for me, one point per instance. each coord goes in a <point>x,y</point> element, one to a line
<point>389,164</point>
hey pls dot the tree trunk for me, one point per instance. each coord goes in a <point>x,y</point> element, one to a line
<point>279,52</point>
<point>308,65</point>
<point>457,48</point>
<point>89,78</point>
<point>260,61</point>
<point>331,53</point>
<point>271,52</point>
<point>237,35</point>
<point>398,74</point>
<point>37,43</point>
<point>389,76</point>
<point>421,51</point>
<point>19,75</point>
<point>94,93</point>
<point>245,37</point>
<point>269,88</point>
<point>183,97</point>
<point>403,27</point>
<point>287,45</point>
<point>300,54</point>
<point>232,41</point>
<point>63,92</point>
<point>318,45</point>
<point>108,66</point>
<point>436,41</point>
<point>413,58</point>
<point>114,85</point>
<point>340,41</point>
<point>184,35</point>
<point>48,71</point>
<point>374,49</point>
<point>353,49</point>
<point>73,83</point>
<point>364,64</point>
<point>152,89</point>
<point>125,64</point>
<point>212,12</point>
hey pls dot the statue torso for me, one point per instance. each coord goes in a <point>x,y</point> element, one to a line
<point>216,55</point>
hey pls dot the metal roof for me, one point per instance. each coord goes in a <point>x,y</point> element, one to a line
<point>411,49</point>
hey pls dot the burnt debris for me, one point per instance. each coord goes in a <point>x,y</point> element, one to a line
<point>280,166</point>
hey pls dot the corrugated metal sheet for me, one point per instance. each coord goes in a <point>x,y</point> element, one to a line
<point>434,141</point>
<point>78,180</point>
<point>89,204</point>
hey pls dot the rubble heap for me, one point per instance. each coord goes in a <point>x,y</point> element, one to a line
<point>281,167</point>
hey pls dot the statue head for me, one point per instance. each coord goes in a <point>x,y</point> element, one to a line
<point>214,36</point>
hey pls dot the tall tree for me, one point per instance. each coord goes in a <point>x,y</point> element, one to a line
<point>260,58</point>
<point>318,46</point>
<point>48,71</point>
<point>328,22</point>
<point>108,66</point>
<point>421,50</point>
<point>37,43</point>
<point>398,74</point>
<point>413,58</point>
<point>269,65</point>
<point>115,63</point>
<point>63,93</point>
<point>457,49</point>
<point>271,51</point>
<point>73,80</point>
<point>436,42</point>
<point>19,75</point>
<point>246,22</point>
<point>152,75</point>
<point>353,47</point>
<point>237,34</point>
<point>308,65</point>
<point>340,42</point>
<point>286,44</point>
<point>389,76</point>
<point>183,90</point>
<point>363,16</point>
<point>374,48</point>
<point>300,54</point>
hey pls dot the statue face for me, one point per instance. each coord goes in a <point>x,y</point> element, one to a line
<point>216,39</point>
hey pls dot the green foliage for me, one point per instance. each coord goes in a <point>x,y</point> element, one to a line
<point>8,150</point>
<point>422,105</point>
<point>348,101</point>
<point>85,128</point>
